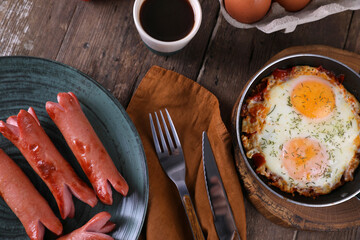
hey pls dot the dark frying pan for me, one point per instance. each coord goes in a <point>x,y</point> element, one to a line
<point>351,83</point>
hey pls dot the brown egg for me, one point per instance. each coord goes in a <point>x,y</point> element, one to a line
<point>247,11</point>
<point>293,5</point>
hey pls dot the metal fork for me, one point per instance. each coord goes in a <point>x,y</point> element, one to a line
<point>173,163</point>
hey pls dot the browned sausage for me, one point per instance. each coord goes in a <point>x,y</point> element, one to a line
<point>25,201</point>
<point>86,146</point>
<point>25,132</point>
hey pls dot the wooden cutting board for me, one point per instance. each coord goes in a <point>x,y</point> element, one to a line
<point>338,217</point>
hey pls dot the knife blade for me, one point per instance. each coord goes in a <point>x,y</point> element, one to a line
<point>223,218</point>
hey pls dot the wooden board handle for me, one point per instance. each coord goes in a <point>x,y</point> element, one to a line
<point>235,236</point>
<point>194,222</point>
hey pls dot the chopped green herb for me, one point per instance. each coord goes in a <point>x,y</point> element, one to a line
<point>289,102</point>
<point>272,110</point>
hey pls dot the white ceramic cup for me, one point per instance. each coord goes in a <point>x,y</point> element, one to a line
<point>163,47</point>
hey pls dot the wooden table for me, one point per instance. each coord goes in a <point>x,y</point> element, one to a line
<point>99,38</point>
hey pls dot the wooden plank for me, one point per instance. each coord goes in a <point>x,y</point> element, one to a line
<point>260,228</point>
<point>353,40</point>
<point>343,235</point>
<point>103,42</point>
<point>236,54</point>
<point>34,27</point>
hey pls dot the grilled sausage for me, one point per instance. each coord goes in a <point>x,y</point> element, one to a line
<point>86,146</point>
<point>25,132</point>
<point>25,201</point>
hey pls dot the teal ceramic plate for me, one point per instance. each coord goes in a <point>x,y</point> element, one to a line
<point>27,81</point>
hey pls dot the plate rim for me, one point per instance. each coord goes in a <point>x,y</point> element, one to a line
<point>119,106</point>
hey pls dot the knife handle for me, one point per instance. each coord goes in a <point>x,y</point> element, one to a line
<point>235,236</point>
<point>194,222</point>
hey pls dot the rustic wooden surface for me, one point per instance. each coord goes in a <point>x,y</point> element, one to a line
<point>99,38</point>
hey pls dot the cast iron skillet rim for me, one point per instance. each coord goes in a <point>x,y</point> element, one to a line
<point>239,142</point>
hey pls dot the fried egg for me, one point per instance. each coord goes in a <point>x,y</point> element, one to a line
<point>306,129</point>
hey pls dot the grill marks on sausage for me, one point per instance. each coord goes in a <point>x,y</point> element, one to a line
<point>43,157</point>
<point>86,146</point>
<point>25,201</point>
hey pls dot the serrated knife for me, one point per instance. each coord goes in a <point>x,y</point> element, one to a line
<point>223,218</point>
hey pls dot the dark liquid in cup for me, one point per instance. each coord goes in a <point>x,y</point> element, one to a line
<point>167,20</point>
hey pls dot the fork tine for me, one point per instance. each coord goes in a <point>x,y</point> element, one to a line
<point>171,144</point>
<point>173,130</point>
<point>153,131</point>
<point>164,147</point>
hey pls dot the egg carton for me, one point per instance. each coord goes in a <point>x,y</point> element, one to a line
<point>278,19</point>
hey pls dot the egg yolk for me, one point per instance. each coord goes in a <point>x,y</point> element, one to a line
<point>313,98</point>
<point>304,159</point>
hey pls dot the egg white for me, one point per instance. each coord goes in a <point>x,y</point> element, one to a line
<point>337,133</point>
